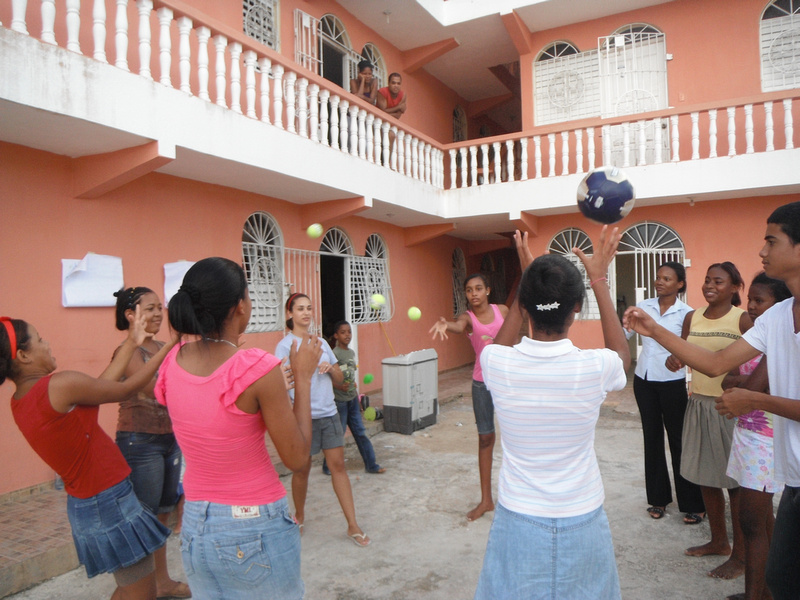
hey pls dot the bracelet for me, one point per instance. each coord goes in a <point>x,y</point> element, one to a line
<point>591,283</point>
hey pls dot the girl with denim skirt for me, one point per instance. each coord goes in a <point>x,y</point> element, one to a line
<point>57,415</point>
<point>550,536</point>
<point>238,539</point>
<point>144,432</point>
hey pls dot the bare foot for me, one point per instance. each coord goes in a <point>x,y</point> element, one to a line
<point>730,569</point>
<point>709,548</point>
<point>478,511</point>
<point>173,589</point>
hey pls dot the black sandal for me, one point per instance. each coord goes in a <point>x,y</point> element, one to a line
<point>693,518</point>
<point>656,512</point>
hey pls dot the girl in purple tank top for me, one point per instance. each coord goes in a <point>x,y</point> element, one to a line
<point>481,323</point>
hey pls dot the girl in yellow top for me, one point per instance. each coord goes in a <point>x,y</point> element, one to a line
<point>707,435</point>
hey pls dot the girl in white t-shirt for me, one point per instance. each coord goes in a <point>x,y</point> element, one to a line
<point>550,536</point>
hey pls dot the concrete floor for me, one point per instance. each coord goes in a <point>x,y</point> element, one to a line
<point>424,548</point>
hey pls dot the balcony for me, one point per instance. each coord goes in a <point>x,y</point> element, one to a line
<point>128,88</point>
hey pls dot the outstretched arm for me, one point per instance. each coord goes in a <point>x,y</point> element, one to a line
<point>509,332</point>
<point>597,270</point>
<point>442,326</point>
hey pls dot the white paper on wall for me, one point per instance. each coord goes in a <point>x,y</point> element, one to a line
<point>90,281</point>
<point>173,277</point>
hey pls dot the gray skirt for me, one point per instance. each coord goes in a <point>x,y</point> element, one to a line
<point>706,443</point>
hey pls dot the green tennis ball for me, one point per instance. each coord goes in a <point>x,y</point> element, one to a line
<point>369,414</point>
<point>414,313</point>
<point>314,231</point>
<point>377,301</point>
<point>369,378</point>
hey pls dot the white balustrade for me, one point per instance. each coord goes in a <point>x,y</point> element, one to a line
<point>676,144</point>
<point>427,163</point>
<point>712,133</point>
<point>324,133</point>
<point>370,137</point>
<point>343,125</point>
<point>788,123</point>
<point>184,54</point>
<point>335,99</point>
<point>362,134</point>
<point>748,128</point>
<point>144,8</point>
<point>497,162</point>
<point>18,8</point>
<point>452,154</point>
<point>462,157</point>
<point>641,145</point>
<point>164,45</point>
<point>120,34</point>
<point>74,25</point>
<point>264,65</point>
<point>769,127</point>
<point>378,140</point>
<point>203,35</point>
<point>695,135</point>
<point>407,152</point>
<point>484,164</point>
<point>606,138</point>
<point>99,30</point>
<point>353,125</point>
<point>523,152</point>
<point>414,158</point>
<point>578,151</point>
<point>393,137</point>
<point>236,77</point>
<point>385,144</point>
<point>537,156</point>
<point>551,142</point>
<point>277,96</point>
<point>302,107</point>
<point>473,166</point>
<point>658,143</point>
<point>589,148</point>
<point>289,94</point>
<point>626,144</point>
<point>565,152</point>
<point>250,59</point>
<point>731,130</point>
<point>220,79</point>
<point>313,112</point>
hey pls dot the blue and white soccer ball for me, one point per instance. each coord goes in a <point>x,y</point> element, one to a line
<point>606,195</point>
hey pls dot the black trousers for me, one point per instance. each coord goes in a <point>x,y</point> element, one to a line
<point>662,405</point>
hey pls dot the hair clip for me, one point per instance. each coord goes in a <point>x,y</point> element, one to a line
<point>551,306</point>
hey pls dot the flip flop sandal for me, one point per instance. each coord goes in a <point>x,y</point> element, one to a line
<point>693,518</point>
<point>656,512</point>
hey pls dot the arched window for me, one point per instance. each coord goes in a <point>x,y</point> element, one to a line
<point>565,84</point>
<point>780,45</point>
<point>336,51</point>
<point>262,259</point>
<point>371,53</point>
<point>563,243</point>
<point>369,274</point>
<point>556,50</point>
<point>336,242</point>
<point>642,248</point>
<point>260,21</point>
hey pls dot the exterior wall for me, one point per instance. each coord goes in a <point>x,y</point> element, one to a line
<point>155,220</point>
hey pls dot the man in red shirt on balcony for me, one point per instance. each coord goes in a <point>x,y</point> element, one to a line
<point>391,99</point>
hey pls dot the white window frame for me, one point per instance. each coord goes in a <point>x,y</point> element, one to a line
<point>262,259</point>
<point>261,21</point>
<point>779,45</point>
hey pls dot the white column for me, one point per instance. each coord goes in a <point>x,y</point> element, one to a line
<point>289,93</point>
<point>769,126</point>
<point>676,140</point>
<point>537,156</point>
<point>250,60</point>
<point>473,166</point>
<point>184,53</point>
<point>74,25</point>
<point>658,156</point>
<point>164,46</point>
<point>485,163</point>
<point>606,140</point>
<point>788,123</point>
<point>428,165</point>
<point>452,154</point>
<point>220,80</point>
<point>324,107</point>
<point>590,147</point>
<point>48,19</point>
<point>393,159</point>
<point>462,155</point>
<point>695,135</point>
<point>731,130</point>
<point>579,150</point>
<point>376,134</point>
<point>264,65</point>
<point>748,128</point>
<point>18,8</point>
<point>277,96</point>
<point>712,133</point>
<point>302,107</point>
<point>99,30</point>
<point>408,156</point>
<point>353,125</point>
<point>236,77</point>
<point>343,125</point>
<point>120,34</point>
<point>144,8</point>
<point>335,121</point>
<point>203,35</point>
<point>642,143</point>
<point>626,144</point>
<point>370,137</point>
<point>497,164</point>
<point>523,160</point>
<point>551,158</point>
<point>403,160</point>
<point>564,153</point>
<point>385,135</point>
<point>313,111</point>
<point>362,133</point>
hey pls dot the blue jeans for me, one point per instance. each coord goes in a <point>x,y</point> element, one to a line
<point>538,558</point>
<point>155,462</point>
<point>783,562</point>
<point>350,414</point>
<point>241,553</point>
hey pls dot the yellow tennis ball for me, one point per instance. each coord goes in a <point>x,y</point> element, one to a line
<point>414,313</point>
<point>369,413</point>
<point>377,301</point>
<point>314,231</point>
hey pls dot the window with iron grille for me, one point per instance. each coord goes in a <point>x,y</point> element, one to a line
<point>369,275</point>
<point>262,259</point>
<point>459,276</point>
<point>260,21</point>
<point>780,45</point>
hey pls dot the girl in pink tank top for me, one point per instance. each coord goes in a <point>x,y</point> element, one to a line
<point>481,323</point>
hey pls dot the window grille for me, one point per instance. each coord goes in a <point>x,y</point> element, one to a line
<point>260,21</point>
<point>262,259</point>
<point>302,276</point>
<point>562,244</point>
<point>780,45</point>
<point>566,86</point>
<point>371,53</point>
<point>459,277</point>
<point>306,41</point>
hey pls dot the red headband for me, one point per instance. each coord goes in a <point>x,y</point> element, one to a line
<point>12,335</point>
<point>292,297</point>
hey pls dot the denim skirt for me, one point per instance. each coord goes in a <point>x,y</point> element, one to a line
<point>113,530</point>
<point>538,558</point>
<point>241,552</point>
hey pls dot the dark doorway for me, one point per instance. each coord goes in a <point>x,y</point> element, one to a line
<point>332,61</point>
<point>332,285</point>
